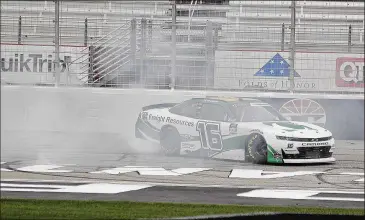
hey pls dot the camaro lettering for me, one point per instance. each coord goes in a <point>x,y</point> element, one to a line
<point>315,144</point>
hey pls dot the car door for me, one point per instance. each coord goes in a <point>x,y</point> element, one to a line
<point>212,126</point>
<point>186,112</point>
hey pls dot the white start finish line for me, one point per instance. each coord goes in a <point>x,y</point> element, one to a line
<point>100,188</point>
<point>355,174</point>
<point>159,171</point>
<point>43,169</point>
<point>260,174</point>
<point>302,194</point>
<point>150,171</point>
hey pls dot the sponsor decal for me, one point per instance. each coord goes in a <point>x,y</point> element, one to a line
<point>256,131</point>
<point>304,110</point>
<point>315,144</point>
<point>187,146</point>
<point>350,72</point>
<point>274,75</point>
<point>233,128</point>
<point>156,118</point>
<point>144,115</point>
<point>164,119</point>
<point>277,155</point>
<point>288,126</point>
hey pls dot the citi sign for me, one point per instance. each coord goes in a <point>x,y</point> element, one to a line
<point>350,72</point>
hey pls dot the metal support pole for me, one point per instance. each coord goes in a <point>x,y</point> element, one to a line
<point>209,55</point>
<point>292,46</point>
<point>349,39</point>
<point>57,42</point>
<point>85,33</point>
<point>20,30</point>
<point>143,51</point>
<point>282,37</point>
<point>173,46</point>
<point>133,46</point>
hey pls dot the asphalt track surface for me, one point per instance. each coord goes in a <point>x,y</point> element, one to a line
<point>214,185</point>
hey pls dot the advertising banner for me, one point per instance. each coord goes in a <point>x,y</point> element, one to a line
<point>314,72</point>
<point>34,64</point>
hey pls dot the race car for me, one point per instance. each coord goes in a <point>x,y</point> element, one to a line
<point>208,126</point>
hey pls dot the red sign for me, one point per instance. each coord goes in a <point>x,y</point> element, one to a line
<point>350,72</point>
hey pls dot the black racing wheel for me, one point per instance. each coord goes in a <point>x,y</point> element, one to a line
<point>170,141</point>
<point>256,149</point>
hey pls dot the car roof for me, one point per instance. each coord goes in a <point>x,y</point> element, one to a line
<point>228,99</point>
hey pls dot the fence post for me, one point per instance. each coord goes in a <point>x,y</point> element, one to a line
<point>173,46</point>
<point>292,46</point>
<point>91,64</point>
<point>209,54</point>
<point>85,33</point>
<point>20,30</point>
<point>133,45</point>
<point>216,27</point>
<point>57,42</point>
<point>282,37</point>
<point>143,50</point>
<point>349,39</point>
<point>149,38</point>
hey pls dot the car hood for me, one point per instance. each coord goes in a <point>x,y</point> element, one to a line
<point>295,129</point>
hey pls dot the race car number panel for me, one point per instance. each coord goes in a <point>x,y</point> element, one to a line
<point>210,135</point>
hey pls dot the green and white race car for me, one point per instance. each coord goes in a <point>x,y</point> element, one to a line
<point>206,127</point>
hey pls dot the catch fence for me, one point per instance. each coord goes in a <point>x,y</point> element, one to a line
<point>224,45</point>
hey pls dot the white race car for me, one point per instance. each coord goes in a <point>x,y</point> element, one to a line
<point>209,126</point>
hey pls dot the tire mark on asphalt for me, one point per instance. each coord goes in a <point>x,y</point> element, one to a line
<point>321,177</point>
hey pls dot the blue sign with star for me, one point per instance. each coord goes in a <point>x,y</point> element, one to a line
<point>276,67</point>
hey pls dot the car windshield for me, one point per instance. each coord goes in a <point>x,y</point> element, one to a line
<point>258,113</point>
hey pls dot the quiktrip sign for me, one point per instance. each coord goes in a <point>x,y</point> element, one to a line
<point>34,64</point>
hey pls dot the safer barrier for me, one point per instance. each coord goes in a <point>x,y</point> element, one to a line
<point>108,116</point>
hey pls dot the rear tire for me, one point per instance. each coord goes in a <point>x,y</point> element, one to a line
<point>256,149</point>
<point>170,141</point>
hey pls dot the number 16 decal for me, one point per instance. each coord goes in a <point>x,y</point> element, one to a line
<point>210,135</point>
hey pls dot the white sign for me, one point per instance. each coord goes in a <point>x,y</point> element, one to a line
<point>271,70</point>
<point>32,64</point>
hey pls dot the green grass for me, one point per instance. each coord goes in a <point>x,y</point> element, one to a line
<point>57,209</point>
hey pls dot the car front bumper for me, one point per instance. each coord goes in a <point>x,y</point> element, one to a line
<point>317,160</point>
<point>303,152</point>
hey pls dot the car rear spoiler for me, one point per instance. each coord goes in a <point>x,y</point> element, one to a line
<point>163,105</point>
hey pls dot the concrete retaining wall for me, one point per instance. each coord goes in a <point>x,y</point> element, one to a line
<point>49,118</point>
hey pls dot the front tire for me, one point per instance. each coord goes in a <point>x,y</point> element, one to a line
<point>257,149</point>
<point>170,141</point>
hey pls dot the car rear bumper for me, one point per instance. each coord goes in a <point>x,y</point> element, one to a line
<point>317,160</point>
